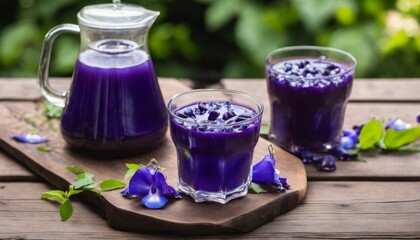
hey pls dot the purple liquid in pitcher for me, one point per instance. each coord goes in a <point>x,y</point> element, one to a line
<point>214,158</point>
<point>115,105</point>
<point>308,102</point>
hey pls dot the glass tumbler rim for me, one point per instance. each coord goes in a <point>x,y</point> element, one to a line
<point>314,48</point>
<point>256,101</point>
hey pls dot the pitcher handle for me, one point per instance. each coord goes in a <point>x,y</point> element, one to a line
<point>55,97</point>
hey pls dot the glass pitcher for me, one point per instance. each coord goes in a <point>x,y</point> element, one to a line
<point>114,106</point>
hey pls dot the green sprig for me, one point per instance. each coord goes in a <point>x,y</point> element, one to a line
<point>374,138</point>
<point>256,188</point>
<point>85,181</point>
<point>43,148</point>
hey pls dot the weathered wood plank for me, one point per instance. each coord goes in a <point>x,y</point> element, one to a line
<point>10,170</point>
<point>355,209</point>
<point>235,216</point>
<point>350,210</point>
<point>383,166</point>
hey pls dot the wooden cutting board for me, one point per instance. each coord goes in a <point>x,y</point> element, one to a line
<point>182,216</point>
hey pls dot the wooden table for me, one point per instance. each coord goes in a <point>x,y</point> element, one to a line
<point>379,198</point>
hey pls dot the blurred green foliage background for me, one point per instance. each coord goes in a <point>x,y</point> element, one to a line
<point>206,40</point>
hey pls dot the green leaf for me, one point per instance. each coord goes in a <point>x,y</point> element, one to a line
<point>256,188</point>
<point>72,191</point>
<point>75,170</point>
<point>55,194</point>
<point>52,111</point>
<point>43,148</point>
<point>66,210</point>
<point>111,184</point>
<point>91,186</point>
<point>85,175</point>
<point>83,182</point>
<point>371,134</point>
<point>409,149</point>
<point>129,174</point>
<point>395,139</point>
<point>134,166</point>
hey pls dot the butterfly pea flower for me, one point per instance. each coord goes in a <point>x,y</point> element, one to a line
<point>264,171</point>
<point>397,124</point>
<point>29,138</point>
<point>358,128</point>
<point>350,138</point>
<point>149,183</point>
<point>342,153</point>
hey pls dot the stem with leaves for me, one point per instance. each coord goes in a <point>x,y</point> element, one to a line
<point>84,182</point>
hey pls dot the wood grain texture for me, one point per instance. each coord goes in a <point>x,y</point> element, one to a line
<point>10,170</point>
<point>331,210</point>
<point>242,215</point>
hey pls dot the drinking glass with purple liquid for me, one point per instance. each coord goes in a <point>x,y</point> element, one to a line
<point>308,88</point>
<point>214,132</point>
<point>114,106</point>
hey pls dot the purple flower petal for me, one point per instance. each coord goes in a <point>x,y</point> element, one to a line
<point>141,182</point>
<point>125,193</point>
<point>264,170</point>
<point>400,125</point>
<point>277,177</point>
<point>165,188</point>
<point>389,123</point>
<point>351,133</point>
<point>347,142</point>
<point>358,128</point>
<point>154,200</point>
<point>283,182</point>
<point>280,188</point>
<point>418,118</point>
<point>397,124</point>
<point>29,138</point>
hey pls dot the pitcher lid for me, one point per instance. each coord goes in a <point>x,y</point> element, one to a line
<point>116,16</point>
